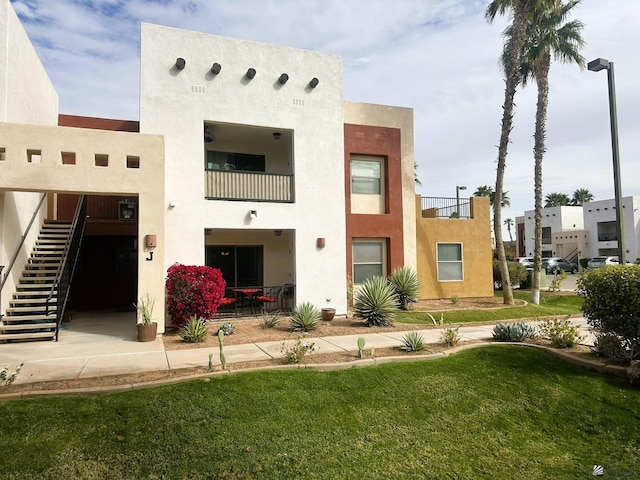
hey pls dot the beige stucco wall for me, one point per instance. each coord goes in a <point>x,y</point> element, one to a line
<point>475,236</point>
<point>146,182</point>
<point>176,103</point>
<point>401,118</point>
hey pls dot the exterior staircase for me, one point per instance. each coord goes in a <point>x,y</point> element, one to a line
<point>28,317</point>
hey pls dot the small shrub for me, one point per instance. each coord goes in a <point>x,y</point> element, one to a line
<point>406,285</point>
<point>270,319</point>
<point>610,346</point>
<point>517,273</point>
<point>513,332</point>
<point>561,333</point>
<point>194,331</point>
<point>8,376</point>
<point>376,302</point>
<point>433,320</point>
<point>450,336</point>
<point>455,300</point>
<point>413,342</point>
<point>305,317</point>
<point>228,328</point>
<point>294,352</point>
<point>558,276</point>
<point>361,343</point>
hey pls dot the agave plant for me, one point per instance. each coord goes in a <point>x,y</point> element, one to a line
<point>406,284</point>
<point>376,302</point>
<point>194,331</point>
<point>305,317</point>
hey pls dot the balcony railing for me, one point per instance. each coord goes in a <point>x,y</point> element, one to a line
<point>254,186</point>
<point>608,237</point>
<point>438,207</point>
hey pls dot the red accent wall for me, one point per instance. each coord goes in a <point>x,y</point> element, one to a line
<point>381,142</point>
<point>98,123</point>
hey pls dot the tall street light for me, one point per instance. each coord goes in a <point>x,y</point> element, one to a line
<point>595,66</point>
<point>458,188</point>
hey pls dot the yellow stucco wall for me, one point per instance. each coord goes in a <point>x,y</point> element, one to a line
<point>474,234</point>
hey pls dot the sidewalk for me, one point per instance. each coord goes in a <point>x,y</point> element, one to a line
<point>110,348</point>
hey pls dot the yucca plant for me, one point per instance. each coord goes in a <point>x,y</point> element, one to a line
<point>194,331</point>
<point>270,318</point>
<point>413,342</point>
<point>376,302</point>
<point>305,317</point>
<point>406,284</point>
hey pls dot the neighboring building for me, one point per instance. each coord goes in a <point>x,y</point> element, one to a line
<point>455,257</point>
<point>583,231</point>
<point>245,158</point>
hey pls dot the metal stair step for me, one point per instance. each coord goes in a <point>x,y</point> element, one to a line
<point>12,320</point>
<point>41,266</point>
<point>16,311</point>
<point>29,301</point>
<point>24,287</point>
<point>27,326</point>
<point>33,294</point>
<point>28,336</point>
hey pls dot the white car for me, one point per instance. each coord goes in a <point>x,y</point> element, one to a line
<point>526,262</point>
<point>597,262</point>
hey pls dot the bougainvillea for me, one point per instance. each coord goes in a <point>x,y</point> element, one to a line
<point>193,291</point>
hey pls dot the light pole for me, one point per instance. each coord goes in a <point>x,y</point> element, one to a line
<point>595,66</point>
<point>458,188</point>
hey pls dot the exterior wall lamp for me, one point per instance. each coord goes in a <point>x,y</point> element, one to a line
<point>181,63</point>
<point>215,68</point>
<point>314,82</point>
<point>283,78</point>
<point>253,214</point>
<point>251,73</point>
<point>277,135</point>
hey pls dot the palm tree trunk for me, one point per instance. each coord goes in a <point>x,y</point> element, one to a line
<point>542,80</point>
<point>513,77</point>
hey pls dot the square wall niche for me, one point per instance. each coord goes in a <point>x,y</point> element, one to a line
<point>34,156</point>
<point>101,160</point>
<point>3,154</point>
<point>68,158</point>
<point>133,161</point>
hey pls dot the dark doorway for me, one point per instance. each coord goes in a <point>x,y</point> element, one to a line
<point>240,266</point>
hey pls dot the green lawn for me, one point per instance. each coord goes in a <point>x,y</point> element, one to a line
<point>550,304</point>
<point>496,412</point>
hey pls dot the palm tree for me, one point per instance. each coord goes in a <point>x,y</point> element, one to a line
<point>415,174</point>
<point>581,196</point>
<point>509,223</point>
<point>521,12</point>
<point>547,36</point>
<point>556,200</point>
<point>487,191</point>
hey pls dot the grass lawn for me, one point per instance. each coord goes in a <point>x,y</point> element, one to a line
<point>498,412</point>
<point>550,304</point>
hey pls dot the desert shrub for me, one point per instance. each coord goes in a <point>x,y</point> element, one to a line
<point>194,331</point>
<point>193,291</point>
<point>612,347</point>
<point>560,332</point>
<point>376,302</point>
<point>8,376</point>
<point>513,332</point>
<point>517,273</point>
<point>558,276</point>
<point>228,328</point>
<point>305,317</point>
<point>450,336</point>
<point>406,284</point>
<point>270,318</point>
<point>455,300</point>
<point>413,342</point>
<point>612,301</point>
<point>294,352</point>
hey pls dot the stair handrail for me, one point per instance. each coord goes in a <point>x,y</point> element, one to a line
<point>3,279</point>
<point>66,268</point>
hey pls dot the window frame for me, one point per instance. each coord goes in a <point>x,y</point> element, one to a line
<point>383,257</point>
<point>379,161</point>
<point>449,262</point>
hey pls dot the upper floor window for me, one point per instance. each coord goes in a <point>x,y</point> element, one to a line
<point>450,267</point>
<point>246,162</point>
<point>366,176</point>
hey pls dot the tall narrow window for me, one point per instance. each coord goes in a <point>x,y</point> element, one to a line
<point>368,260</point>
<point>450,267</point>
<point>366,176</point>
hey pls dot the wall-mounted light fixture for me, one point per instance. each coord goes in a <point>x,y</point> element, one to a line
<point>127,209</point>
<point>151,241</point>
<point>314,82</point>
<point>181,63</point>
<point>283,78</point>
<point>253,213</point>
<point>172,205</point>
<point>277,135</point>
<point>251,73</point>
<point>277,233</point>
<point>215,68</point>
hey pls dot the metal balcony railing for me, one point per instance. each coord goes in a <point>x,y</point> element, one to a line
<point>608,237</point>
<point>439,207</point>
<point>250,186</point>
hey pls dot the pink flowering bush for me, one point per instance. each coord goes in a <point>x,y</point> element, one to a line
<point>193,291</point>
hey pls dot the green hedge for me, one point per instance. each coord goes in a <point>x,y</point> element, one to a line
<point>517,274</point>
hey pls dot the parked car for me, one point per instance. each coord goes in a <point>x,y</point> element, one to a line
<point>526,262</point>
<point>597,262</point>
<point>550,265</point>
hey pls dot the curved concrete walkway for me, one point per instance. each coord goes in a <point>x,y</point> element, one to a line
<point>109,347</point>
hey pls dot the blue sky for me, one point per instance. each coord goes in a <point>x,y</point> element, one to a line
<point>437,56</point>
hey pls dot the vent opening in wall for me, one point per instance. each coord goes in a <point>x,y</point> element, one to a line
<point>198,89</point>
<point>298,102</point>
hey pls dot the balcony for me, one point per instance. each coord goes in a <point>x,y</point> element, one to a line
<point>248,186</point>
<point>607,237</point>
<point>438,207</point>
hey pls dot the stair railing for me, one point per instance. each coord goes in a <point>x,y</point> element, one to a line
<point>3,279</point>
<point>62,282</point>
